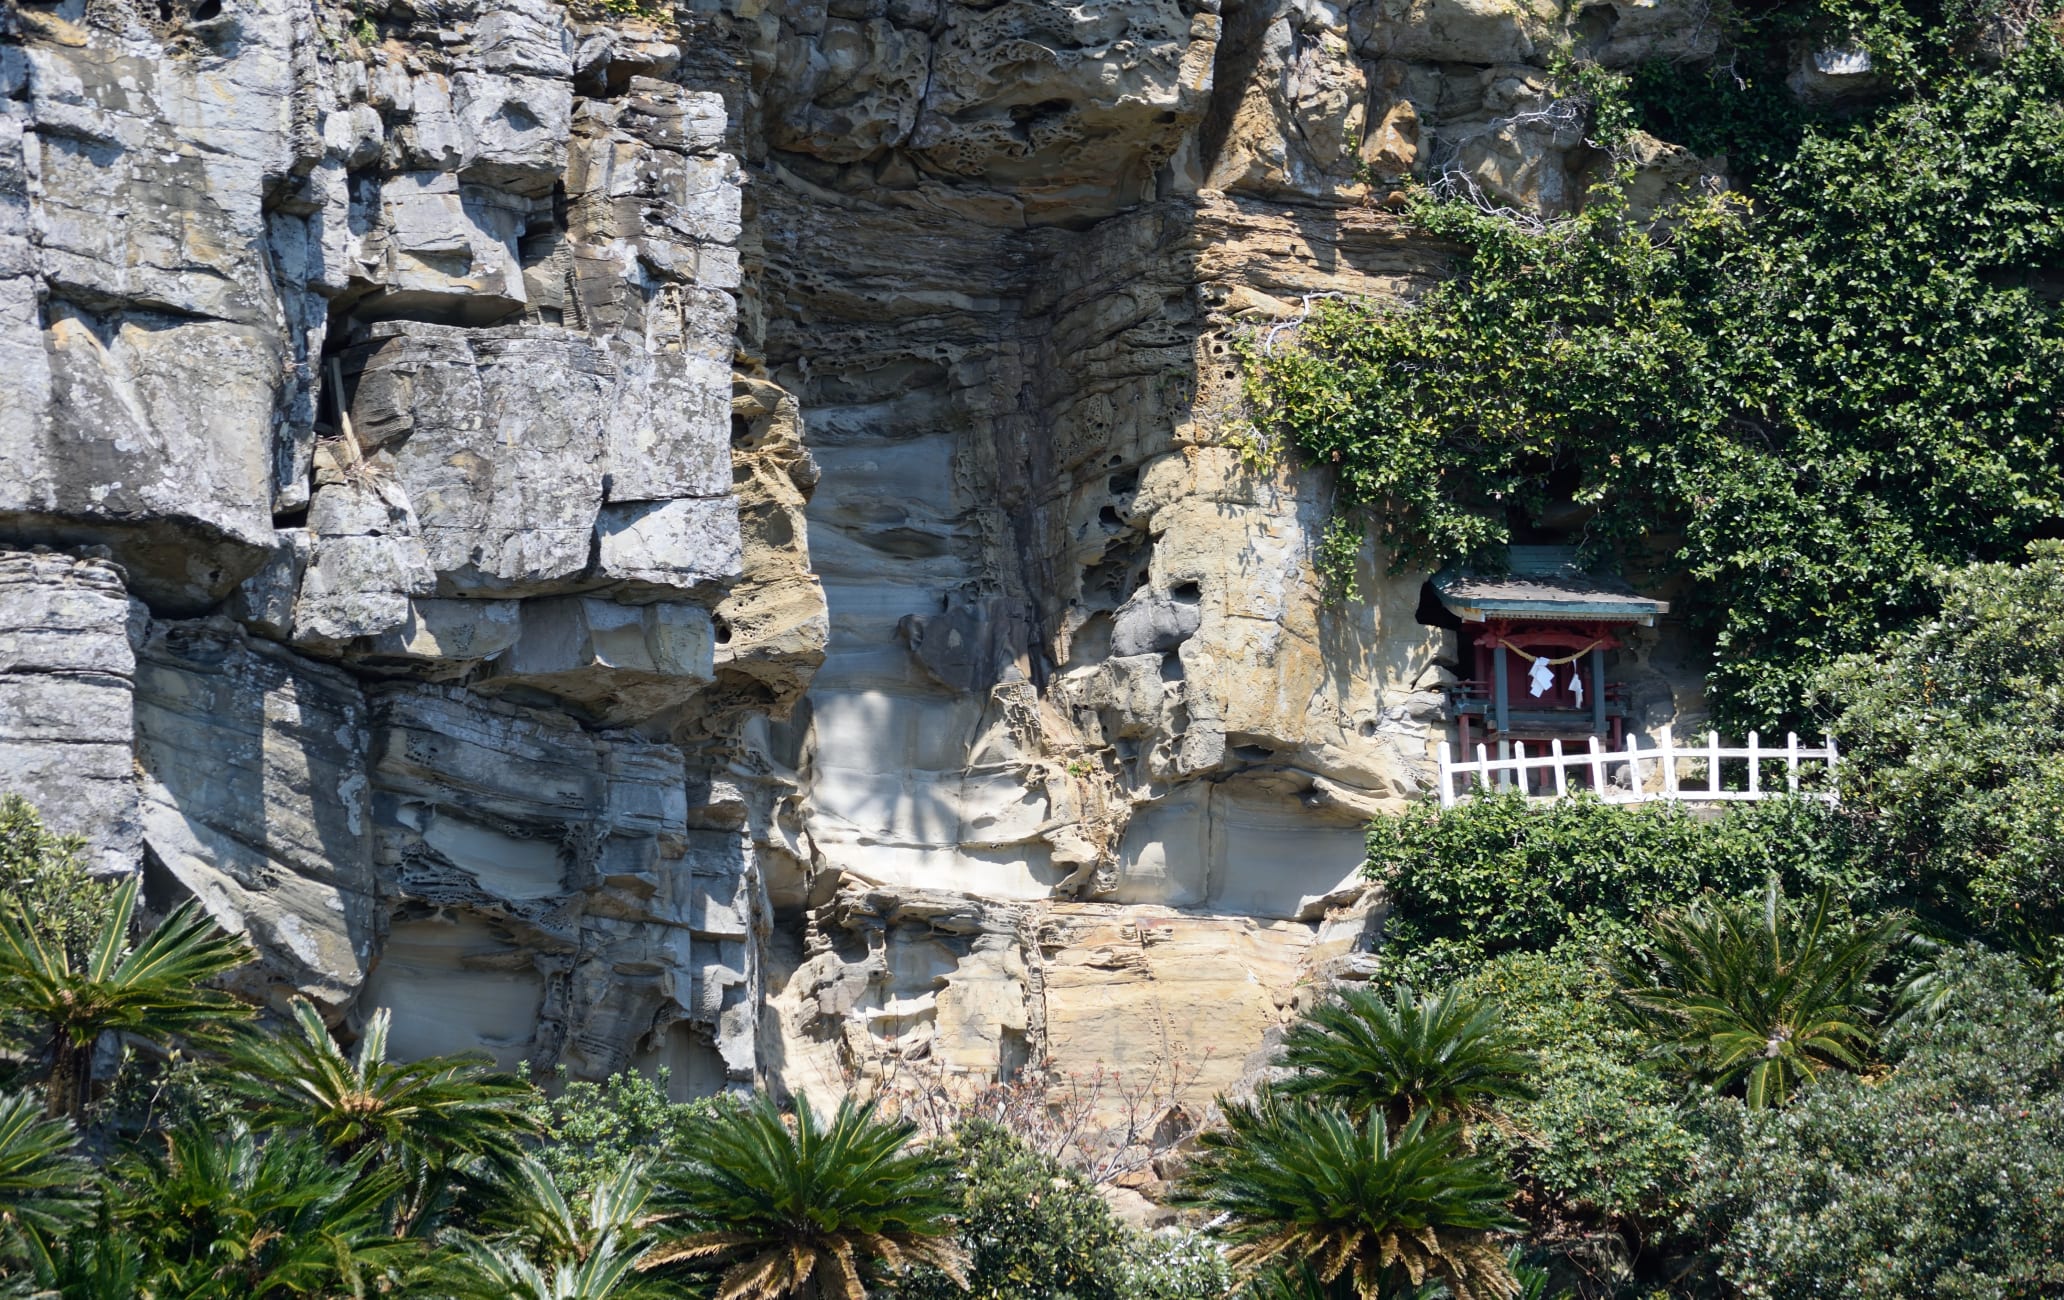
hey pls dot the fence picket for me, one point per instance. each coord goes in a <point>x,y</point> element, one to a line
<point>1465,779</point>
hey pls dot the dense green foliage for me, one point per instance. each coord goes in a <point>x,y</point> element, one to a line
<point>1496,875</point>
<point>592,1130</point>
<point>1603,1138</point>
<point>42,872</point>
<point>437,1111</point>
<point>272,1161</point>
<point>153,989</point>
<point>1956,739</point>
<point>1944,1179</point>
<point>1034,1230</point>
<point>1805,401</point>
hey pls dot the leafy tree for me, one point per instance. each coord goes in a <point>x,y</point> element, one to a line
<point>43,872</point>
<point>224,1216</point>
<point>1604,1141</point>
<point>1444,1053</point>
<point>152,989</point>
<point>1032,1229</point>
<point>43,1180</point>
<point>590,1130</point>
<point>806,1208</point>
<point>439,1110</point>
<point>1764,996</point>
<point>1954,734</point>
<point>1940,1179</point>
<point>1294,1184</point>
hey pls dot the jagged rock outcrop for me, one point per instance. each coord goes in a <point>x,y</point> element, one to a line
<point>720,542</point>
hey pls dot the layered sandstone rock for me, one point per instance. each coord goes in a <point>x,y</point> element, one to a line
<point>726,543</point>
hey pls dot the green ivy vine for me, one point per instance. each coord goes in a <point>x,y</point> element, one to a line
<point>1804,395</point>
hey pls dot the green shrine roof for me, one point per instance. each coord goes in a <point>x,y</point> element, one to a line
<point>1545,582</point>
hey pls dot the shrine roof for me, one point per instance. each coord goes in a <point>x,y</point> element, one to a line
<point>1545,582</point>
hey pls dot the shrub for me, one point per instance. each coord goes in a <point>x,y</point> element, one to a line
<point>1955,735</point>
<point>776,1205</point>
<point>1946,1178</point>
<point>1815,398</point>
<point>42,870</point>
<point>1033,1229</point>
<point>591,1130</point>
<point>1604,1138</point>
<point>1294,1185</point>
<point>1497,875</point>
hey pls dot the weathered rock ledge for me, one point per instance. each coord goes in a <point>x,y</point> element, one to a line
<point>719,543</point>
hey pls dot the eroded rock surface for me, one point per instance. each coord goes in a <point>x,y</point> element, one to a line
<point>719,543</point>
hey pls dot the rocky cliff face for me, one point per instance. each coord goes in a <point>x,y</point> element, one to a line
<point>716,542</point>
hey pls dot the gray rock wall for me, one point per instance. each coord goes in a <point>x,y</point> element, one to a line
<point>719,543</point>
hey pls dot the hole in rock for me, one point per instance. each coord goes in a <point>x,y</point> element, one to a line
<point>1108,517</point>
<point>1189,593</point>
<point>1368,729</point>
<point>721,629</point>
<point>1125,481</point>
<point>207,9</point>
<point>1171,667</point>
<point>1431,613</point>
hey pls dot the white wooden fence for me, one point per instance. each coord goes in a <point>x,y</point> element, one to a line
<point>1636,775</point>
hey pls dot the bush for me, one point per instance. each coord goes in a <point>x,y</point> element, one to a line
<point>591,1129</point>
<point>43,871</point>
<point>1955,735</point>
<point>1035,1230</point>
<point>1946,1178</point>
<point>1604,1138</point>
<point>1497,875</point>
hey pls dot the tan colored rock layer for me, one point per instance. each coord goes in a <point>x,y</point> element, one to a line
<point>727,544</point>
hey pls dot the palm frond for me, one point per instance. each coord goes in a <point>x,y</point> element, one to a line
<point>1296,1187</point>
<point>1761,996</point>
<point>769,1203</point>
<point>1445,1052</point>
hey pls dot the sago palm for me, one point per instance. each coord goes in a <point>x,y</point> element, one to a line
<point>1759,994</point>
<point>806,1208</point>
<point>549,1248</point>
<point>1443,1053</point>
<point>503,1273</point>
<point>442,1109</point>
<point>153,989</point>
<point>43,1181</point>
<point>226,1216</point>
<point>1296,1185</point>
<point>532,1212</point>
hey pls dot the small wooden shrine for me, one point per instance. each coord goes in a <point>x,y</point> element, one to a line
<point>1533,648</point>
